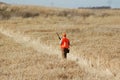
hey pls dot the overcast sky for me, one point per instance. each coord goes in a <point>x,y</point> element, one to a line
<point>68,3</point>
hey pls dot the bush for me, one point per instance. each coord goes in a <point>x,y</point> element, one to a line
<point>28,14</point>
<point>5,15</point>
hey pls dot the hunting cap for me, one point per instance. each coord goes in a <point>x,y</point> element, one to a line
<point>64,34</point>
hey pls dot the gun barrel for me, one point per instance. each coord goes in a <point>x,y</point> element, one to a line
<point>58,36</point>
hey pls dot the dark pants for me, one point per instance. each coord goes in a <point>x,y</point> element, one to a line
<point>64,52</point>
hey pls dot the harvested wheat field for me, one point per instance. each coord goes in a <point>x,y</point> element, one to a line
<point>29,46</point>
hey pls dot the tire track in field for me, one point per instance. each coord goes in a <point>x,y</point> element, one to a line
<point>39,46</point>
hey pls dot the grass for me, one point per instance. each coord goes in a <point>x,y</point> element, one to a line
<point>94,40</point>
<point>20,62</point>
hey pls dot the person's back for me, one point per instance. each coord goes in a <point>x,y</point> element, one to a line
<point>65,43</point>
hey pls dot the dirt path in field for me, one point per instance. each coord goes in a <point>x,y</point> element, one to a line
<point>40,47</point>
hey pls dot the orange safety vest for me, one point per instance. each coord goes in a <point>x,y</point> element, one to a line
<point>65,42</point>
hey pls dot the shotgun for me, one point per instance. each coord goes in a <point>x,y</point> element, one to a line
<point>58,36</point>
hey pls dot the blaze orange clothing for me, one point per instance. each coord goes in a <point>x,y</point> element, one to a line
<point>65,43</point>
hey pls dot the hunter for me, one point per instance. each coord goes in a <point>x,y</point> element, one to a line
<point>64,44</point>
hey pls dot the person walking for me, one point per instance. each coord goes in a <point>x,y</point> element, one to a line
<point>64,44</point>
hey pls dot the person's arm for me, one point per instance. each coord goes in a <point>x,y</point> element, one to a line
<point>68,42</point>
<point>61,41</point>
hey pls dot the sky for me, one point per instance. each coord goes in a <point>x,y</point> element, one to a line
<point>67,3</point>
